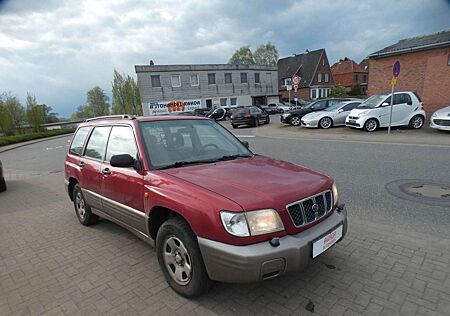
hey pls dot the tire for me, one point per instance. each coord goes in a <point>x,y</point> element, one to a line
<point>281,111</point>
<point>371,125</point>
<point>326,122</point>
<point>176,245</point>
<point>256,122</point>
<point>417,122</point>
<point>2,185</point>
<point>234,126</point>
<point>295,120</point>
<point>82,209</point>
<point>267,120</point>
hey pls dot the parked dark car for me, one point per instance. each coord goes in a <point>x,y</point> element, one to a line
<point>2,179</point>
<point>219,114</point>
<point>270,109</point>
<point>250,115</point>
<point>294,117</point>
<point>201,112</point>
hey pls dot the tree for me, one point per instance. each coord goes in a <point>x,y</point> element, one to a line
<point>97,102</point>
<point>49,116</point>
<point>125,95</point>
<point>266,54</point>
<point>242,56</point>
<point>35,112</point>
<point>12,113</point>
<point>338,91</point>
<point>82,112</point>
<point>356,90</point>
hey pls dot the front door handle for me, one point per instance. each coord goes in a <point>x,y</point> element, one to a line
<point>81,164</point>
<point>106,171</point>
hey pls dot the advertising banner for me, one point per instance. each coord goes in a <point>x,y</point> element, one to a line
<point>176,106</point>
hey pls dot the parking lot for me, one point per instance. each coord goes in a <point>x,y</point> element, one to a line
<point>394,260</point>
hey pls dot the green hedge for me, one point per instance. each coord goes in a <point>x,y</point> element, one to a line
<point>8,140</point>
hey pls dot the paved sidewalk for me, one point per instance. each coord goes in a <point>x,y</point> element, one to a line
<point>51,265</point>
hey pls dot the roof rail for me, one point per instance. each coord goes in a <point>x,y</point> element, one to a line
<point>107,117</point>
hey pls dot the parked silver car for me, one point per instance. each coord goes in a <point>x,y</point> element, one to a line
<point>441,119</point>
<point>332,116</point>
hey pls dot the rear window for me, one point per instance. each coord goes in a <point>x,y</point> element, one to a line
<point>242,111</point>
<point>78,141</point>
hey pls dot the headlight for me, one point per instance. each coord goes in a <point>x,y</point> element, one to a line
<point>284,115</point>
<point>362,113</point>
<point>335,194</point>
<point>251,223</point>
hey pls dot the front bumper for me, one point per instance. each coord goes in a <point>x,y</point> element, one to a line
<point>310,123</point>
<point>358,123</point>
<point>243,264</point>
<point>442,121</point>
<point>285,119</point>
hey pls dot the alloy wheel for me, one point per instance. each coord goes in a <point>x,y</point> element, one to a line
<point>417,122</point>
<point>81,207</point>
<point>325,122</point>
<point>177,260</point>
<point>371,125</point>
<point>295,121</point>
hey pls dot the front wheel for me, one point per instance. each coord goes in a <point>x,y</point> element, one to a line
<point>267,120</point>
<point>416,121</point>
<point>325,122</point>
<point>295,120</point>
<point>180,258</point>
<point>371,125</point>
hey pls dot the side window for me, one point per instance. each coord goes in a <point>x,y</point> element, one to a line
<point>351,106</point>
<point>320,105</point>
<point>121,141</point>
<point>96,146</point>
<point>78,141</point>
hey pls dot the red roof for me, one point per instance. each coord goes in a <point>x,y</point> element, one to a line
<point>346,66</point>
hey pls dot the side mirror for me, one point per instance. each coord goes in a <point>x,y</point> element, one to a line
<point>385,104</point>
<point>245,143</point>
<point>312,107</point>
<point>122,161</point>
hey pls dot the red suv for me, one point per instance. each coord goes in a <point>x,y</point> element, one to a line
<point>212,209</point>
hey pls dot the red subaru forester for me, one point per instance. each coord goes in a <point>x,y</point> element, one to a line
<point>212,209</point>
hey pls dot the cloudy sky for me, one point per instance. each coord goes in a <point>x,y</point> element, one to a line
<point>59,49</point>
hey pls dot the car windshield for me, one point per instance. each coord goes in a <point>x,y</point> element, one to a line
<point>175,143</point>
<point>307,106</point>
<point>334,107</point>
<point>373,101</point>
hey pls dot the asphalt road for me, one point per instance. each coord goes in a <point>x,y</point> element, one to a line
<point>361,170</point>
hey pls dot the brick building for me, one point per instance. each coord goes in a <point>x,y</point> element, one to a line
<point>425,69</point>
<point>168,88</point>
<point>349,74</point>
<point>314,71</point>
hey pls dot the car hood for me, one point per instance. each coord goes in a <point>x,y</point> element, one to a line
<point>256,182</point>
<point>443,111</point>
<point>314,115</point>
<point>356,112</point>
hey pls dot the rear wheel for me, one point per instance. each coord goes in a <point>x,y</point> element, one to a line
<point>256,122</point>
<point>82,209</point>
<point>267,120</point>
<point>416,121</point>
<point>234,125</point>
<point>326,122</point>
<point>180,258</point>
<point>295,120</point>
<point>371,125</point>
<point>2,185</point>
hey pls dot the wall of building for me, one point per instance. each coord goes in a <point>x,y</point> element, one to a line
<point>425,72</point>
<point>268,84</point>
<point>303,93</point>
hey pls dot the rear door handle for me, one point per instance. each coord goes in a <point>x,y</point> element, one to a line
<point>81,164</point>
<point>106,171</point>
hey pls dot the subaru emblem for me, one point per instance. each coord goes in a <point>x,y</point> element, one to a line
<point>315,207</point>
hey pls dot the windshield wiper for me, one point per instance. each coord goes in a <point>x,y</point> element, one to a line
<point>231,157</point>
<point>178,164</point>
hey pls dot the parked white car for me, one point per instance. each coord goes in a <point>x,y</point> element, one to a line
<point>335,115</point>
<point>281,107</point>
<point>375,111</point>
<point>441,119</point>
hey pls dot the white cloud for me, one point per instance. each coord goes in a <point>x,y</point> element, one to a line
<point>59,49</point>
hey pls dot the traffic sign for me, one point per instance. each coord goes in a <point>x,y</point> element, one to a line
<point>396,69</point>
<point>295,95</point>
<point>289,87</point>
<point>295,79</point>
<point>394,81</point>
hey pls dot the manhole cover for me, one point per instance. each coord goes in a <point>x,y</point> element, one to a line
<point>421,191</point>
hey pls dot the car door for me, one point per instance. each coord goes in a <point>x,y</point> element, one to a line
<point>382,112</point>
<point>122,188</point>
<point>402,109</point>
<point>91,164</point>
<point>343,112</point>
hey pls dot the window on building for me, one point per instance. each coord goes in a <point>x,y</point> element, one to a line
<point>364,78</point>
<point>156,82</point>
<point>233,101</point>
<point>257,80</point>
<point>323,62</point>
<point>228,78</point>
<point>223,101</point>
<point>448,61</point>
<point>175,80</point>
<point>319,77</point>
<point>327,77</point>
<point>211,78</point>
<point>269,78</point>
<point>243,77</point>
<point>313,94</point>
<point>356,77</point>
<point>194,80</point>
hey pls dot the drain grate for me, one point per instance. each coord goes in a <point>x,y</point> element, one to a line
<point>421,191</point>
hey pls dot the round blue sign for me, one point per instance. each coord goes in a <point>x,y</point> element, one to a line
<point>396,69</point>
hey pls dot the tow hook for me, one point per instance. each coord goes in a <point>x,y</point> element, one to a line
<point>340,208</point>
